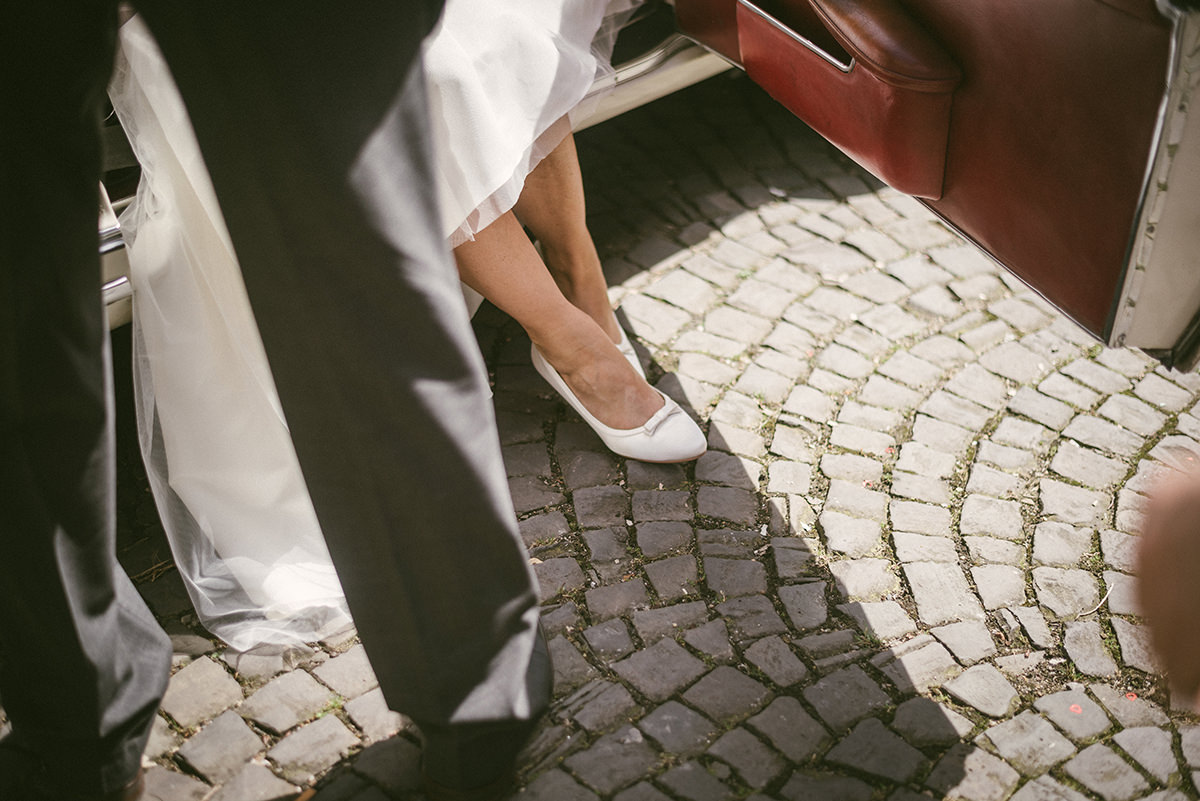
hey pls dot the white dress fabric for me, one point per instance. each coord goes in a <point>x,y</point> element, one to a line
<point>218,454</point>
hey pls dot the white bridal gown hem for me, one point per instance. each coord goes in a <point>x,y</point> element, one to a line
<point>219,458</point>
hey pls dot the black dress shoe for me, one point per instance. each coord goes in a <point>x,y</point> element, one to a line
<point>484,757</point>
<point>24,776</point>
<point>130,792</point>
<point>496,790</point>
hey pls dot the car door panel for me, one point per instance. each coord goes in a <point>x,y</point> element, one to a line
<point>1047,135</point>
<point>1050,136</point>
<point>868,78</point>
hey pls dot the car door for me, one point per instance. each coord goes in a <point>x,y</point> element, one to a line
<point>1051,133</point>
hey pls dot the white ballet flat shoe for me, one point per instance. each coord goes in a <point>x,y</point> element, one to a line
<point>668,436</point>
<point>626,348</point>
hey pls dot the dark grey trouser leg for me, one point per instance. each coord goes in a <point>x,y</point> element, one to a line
<point>313,126</point>
<point>84,663</point>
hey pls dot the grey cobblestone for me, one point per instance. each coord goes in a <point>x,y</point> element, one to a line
<point>1041,408</point>
<point>312,749</point>
<point>790,729</point>
<point>885,393</point>
<point>1075,713</point>
<point>1015,460</point>
<point>792,442</point>
<point>752,617</point>
<point>1035,625</point>
<point>253,781</point>
<point>992,550</point>
<point>873,749</point>
<point>1066,592</point>
<point>1015,362</point>
<point>658,505</point>
<point>999,585</point>
<point>850,535</point>
<point>727,694</point>
<point>856,501</point>
<point>982,336</point>
<point>1129,710</point>
<point>1159,392</point>
<point>613,761</point>
<point>660,670</point>
<point>1086,466</point>
<point>600,705</point>
<point>1045,788</point>
<point>1176,451</point>
<point>942,436</point>
<point>1134,642</point>
<point>776,660</point>
<point>371,715</point>
<point>218,751</point>
<point>985,688</point>
<point>1059,544</point>
<point>1022,434</point>
<point>845,697</point>
<point>735,577</point>
<point>921,488</point>
<point>941,593</point>
<point>692,781</point>
<point>910,370</point>
<point>969,640</point>
<point>286,701</point>
<point>756,764</point>
<point>884,620</point>
<point>1071,504</point>
<point>1121,592</point>
<point>1103,435</point>
<point>1106,774</point>
<point>923,460</point>
<point>673,578</point>
<point>920,518</point>
<point>863,340</point>
<point>596,507</point>
<point>917,668</point>
<point>923,723</point>
<point>869,417</point>
<point>863,579</point>
<point>922,548</point>
<point>1030,744</point>
<point>1068,391</point>
<point>1151,747</point>
<point>617,599</point>
<point>678,729</point>
<point>659,538</point>
<point>862,440</point>
<point>972,774</point>
<point>1097,376</point>
<point>985,480</point>
<point>1119,550</point>
<point>200,691</point>
<point>163,783</point>
<point>609,639</point>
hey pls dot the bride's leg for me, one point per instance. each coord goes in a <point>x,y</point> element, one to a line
<point>552,207</point>
<point>502,265</point>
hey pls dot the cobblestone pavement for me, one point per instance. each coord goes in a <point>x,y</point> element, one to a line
<point>903,569</point>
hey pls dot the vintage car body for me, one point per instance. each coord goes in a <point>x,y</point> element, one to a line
<point>1054,134</point>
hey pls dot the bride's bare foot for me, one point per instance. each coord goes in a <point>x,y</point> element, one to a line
<point>600,377</point>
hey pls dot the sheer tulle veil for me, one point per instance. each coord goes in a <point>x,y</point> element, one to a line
<point>245,538</point>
